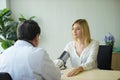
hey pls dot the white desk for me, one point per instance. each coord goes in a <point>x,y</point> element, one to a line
<point>95,74</point>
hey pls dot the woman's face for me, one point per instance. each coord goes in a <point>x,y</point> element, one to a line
<point>77,31</point>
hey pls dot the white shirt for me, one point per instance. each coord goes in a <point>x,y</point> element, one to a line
<point>87,58</point>
<point>25,62</point>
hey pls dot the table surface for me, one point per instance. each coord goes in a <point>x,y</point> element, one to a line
<point>94,74</point>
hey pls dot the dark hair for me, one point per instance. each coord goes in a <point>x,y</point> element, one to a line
<point>28,30</point>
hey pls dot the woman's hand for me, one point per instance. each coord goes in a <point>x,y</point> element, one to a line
<point>75,71</point>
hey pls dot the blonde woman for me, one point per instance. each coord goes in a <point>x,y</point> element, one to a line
<point>82,51</point>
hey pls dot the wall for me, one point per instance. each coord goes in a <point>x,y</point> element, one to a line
<point>4,4</point>
<point>56,17</point>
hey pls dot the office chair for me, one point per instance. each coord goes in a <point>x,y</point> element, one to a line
<point>5,76</point>
<point>104,57</point>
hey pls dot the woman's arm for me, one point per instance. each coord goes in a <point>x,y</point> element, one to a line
<point>90,63</point>
<point>61,61</point>
<point>92,58</point>
<point>75,71</point>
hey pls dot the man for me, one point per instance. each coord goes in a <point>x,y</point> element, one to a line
<point>24,61</point>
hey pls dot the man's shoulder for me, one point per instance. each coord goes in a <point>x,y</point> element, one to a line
<point>70,43</point>
<point>39,49</point>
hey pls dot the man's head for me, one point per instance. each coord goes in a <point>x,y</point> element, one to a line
<point>29,30</point>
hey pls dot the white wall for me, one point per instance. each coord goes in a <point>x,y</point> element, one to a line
<point>56,17</point>
<point>4,4</point>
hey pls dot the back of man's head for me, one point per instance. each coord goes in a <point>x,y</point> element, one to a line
<point>28,30</point>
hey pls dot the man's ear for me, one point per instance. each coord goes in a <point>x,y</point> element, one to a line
<point>36,40</point>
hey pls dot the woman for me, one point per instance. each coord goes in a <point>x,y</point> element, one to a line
<point>82,51</point>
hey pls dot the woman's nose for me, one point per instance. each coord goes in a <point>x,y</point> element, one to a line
<point>74,31</point>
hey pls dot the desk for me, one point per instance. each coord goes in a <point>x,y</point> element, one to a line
<point>115,61</point>
<point>94,74</point>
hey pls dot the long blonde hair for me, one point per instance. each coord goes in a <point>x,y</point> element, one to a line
<point>86,32</point>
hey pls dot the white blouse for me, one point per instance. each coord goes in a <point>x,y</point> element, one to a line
<point>87,58</point>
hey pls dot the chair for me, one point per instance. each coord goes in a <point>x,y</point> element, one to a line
<point>104,57</point>
<point>5,76</point>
